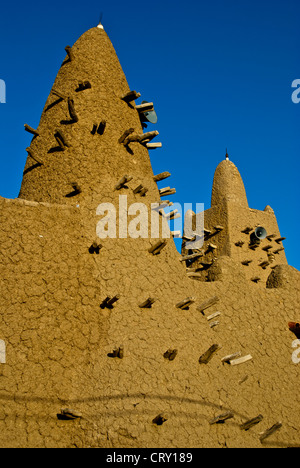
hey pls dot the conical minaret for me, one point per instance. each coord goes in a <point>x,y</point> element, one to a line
<point>230,227</point>
<point>228,185</point>
<point>78,154</point>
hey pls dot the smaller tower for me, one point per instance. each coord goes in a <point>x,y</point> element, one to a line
<point>231,229</point>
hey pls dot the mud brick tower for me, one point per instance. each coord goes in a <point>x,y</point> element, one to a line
<point>123,342</point>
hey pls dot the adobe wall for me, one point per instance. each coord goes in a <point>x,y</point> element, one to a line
<point>58,340</point>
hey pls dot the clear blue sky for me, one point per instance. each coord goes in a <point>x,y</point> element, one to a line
<point>219,73</point>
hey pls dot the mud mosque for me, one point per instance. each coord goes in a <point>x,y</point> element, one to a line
<point>127,343</point>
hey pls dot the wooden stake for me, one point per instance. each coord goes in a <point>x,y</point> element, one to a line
<point>164,192</point>
<point>68,413</point>
<point>207,232</point>
<point>247,230</point>
<point>122,182</point>
<point>188,238</point>
<point>109,302</point>
<point>147,304</point>
<point>163,204</point>
<point>211,247</point>
<point>176,234</point>
<point>230,357</point>
<point>239,243</point>
<point>31,130</point>
<point>280,239</point>
<point>61,140</point>
<point>31,155</point>
<point>191,257</point>
<point>131,96</point>
<point>242,360</point>
<point>222,418</point>
<point>214,324</point>
<point>255,279</point>
<point>194,275</point>
<point>76,191</point>
<point>69,51</point>
<point>103,304</point>
<point>138,189</point>
<point>143,192</point>
<point>58,94</point>
<point>270,431</point>
<point>207,356</point>
<point>171,354</point>
<point>243,380</point>
<point>157,248</point>
<point>95,247</point>
<point>264,264</point>
<point>251,422</point>
<point>82,85</point>
<point>144,137</point>
<point>271,257</point>
<point>213,316</point>
<point>186,303</point>
<point>121,352</point>
<point>210,302</point>
<point>102,127</point>
<point>146,107</point>
<point>152,146</point>
<point>72,111</point>
<point>125,135</point>
<point>161,176</point>
<point>117,353</point>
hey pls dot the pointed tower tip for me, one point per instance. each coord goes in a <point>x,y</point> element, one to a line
<point>100,25</point>
<point>228,184</point>
<point>226,156</point>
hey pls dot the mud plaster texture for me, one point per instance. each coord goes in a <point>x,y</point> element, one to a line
<point>58,338</point>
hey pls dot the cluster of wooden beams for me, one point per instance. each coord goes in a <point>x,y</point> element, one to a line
<point>209,303</point>
<point>109,302</point>
<point>164,192</point>
<point>123,181</point>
